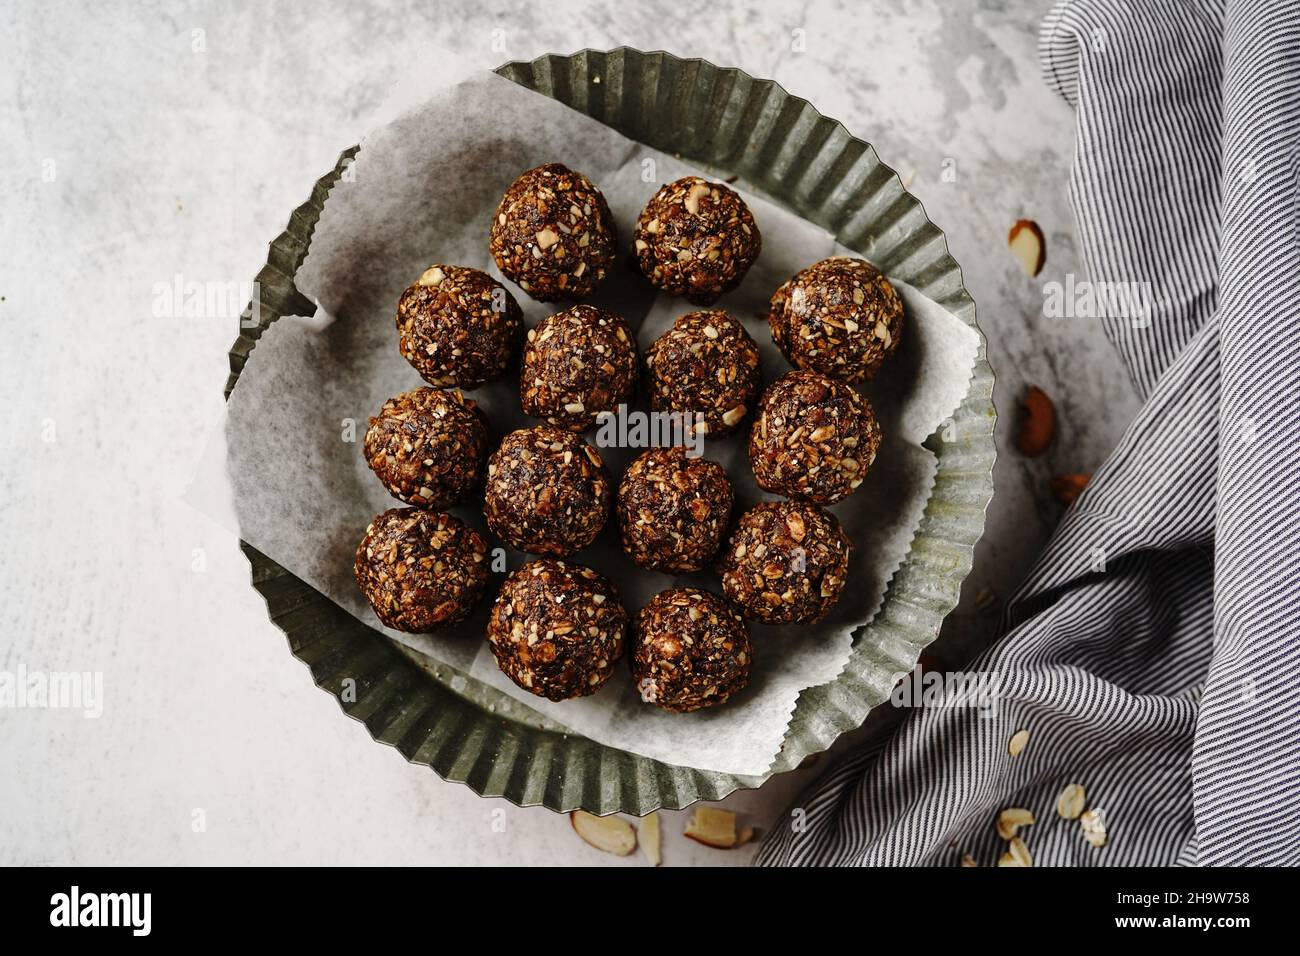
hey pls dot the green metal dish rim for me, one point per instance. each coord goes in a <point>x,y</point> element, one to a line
<point>423,701</point>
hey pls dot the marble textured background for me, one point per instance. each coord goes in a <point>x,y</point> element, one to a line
<point>148,142</point>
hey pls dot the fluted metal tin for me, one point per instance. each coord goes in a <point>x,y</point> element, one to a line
<point>731,123</point>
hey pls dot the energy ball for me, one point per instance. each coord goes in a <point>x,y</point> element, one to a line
<point>577,364</point>
<point>814,438</point>
<point>673,510</point>
<point>840,317</point>
<point>697,239</point>
<point>428,447</point>
<point>553,234</point>
<point>547,491</point>
<point>459,327</point>
<point>691,650</point>
<point>706,364</point>
<point>557,629</point>
<point>421,570</point>
<point>786,563</point>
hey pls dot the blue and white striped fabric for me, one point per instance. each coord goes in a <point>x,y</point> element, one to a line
<point>1167,683</point>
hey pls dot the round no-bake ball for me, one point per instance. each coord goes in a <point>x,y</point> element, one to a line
<point>673,510</point>
<point>459,327</point>
<point>697,239</point>
<point>691,650</point>
<point>557,629</point>
<point>840,317</point>
<point>553,234</point>
<point>706,364</point>
<point>814,438</point>
<point>421,570</point>
<point>577,364</point>
<point>547,491</point>
<point>786,563</point>
<point>428,447</point>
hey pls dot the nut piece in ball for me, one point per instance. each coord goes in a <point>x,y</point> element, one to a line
<point>428,447</point>
<point>459,327</point>
<point>421,570</point>
<point>786,563</point>
<point>557,629</point>
<point>577,364</point>
<point>547,491</point>
<point>553,234</point>
<point>706,364</point>
<point>673,510</point>
<point>697,239</point>
<point>840,317</point>
<point>691,650</point>
<point>814,438</point>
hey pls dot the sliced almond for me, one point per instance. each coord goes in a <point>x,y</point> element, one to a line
<point>547,237</point>
<point>1011,820</point>
<point>693,197</point>
<point>967,860</point>
<point>607,834</point>
<point>651,839</point>
<point>1019,852</point>
<point>431,276</point>
<point>1018,742</point>
<point>1028,246</point>
<point>712,827</point>
<point>1037,422</point>
<point>1068,487</point>
<point>1071,802</point>
<point>1093,823</point>
<point>746,834</point>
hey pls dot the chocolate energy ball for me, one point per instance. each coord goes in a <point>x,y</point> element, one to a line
<point>696,238</point>
<point>459,327</point>
<point>691,650</point>
<point>705,364</point>
<point>421,570</point>
<point>673,510</point>
<point>840,317</point>
<point>577,364</point>
<point>785,563</point>
<point>557,629</point>
<point>428,447</point>
<point>553,234</point>
<point>547,491</point>
<point>814,438</point>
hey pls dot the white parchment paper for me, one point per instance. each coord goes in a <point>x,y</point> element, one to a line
<point>423,189</point>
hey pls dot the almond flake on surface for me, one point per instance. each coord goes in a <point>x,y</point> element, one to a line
<point>652,839</point>
<point>968,860</point>
<point>1027,244</point>
<point>1093,823</point>
<point>607,834</point>
<point>1019,740</point>
<point>712,827</point>
<point>1019,852</point>
<point>1070,804</point>
<point>1011,820</point>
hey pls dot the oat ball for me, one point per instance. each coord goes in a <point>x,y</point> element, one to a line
<point>690,650</point>
<point>459,327</point>
<point>428,447</point>
<point>547,491</point>
<point>557,629</point>
<point>577,364</point>
<point>421,570</point>
<point>814,438</point>
<point>840,317</point>
<point>673,510</point>
<point>696,238</point>
<point>785,563</point>
<point>705,364</point>
<point>553,234</point>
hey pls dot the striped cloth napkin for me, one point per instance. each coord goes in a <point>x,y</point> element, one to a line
<point>1168,684</point>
